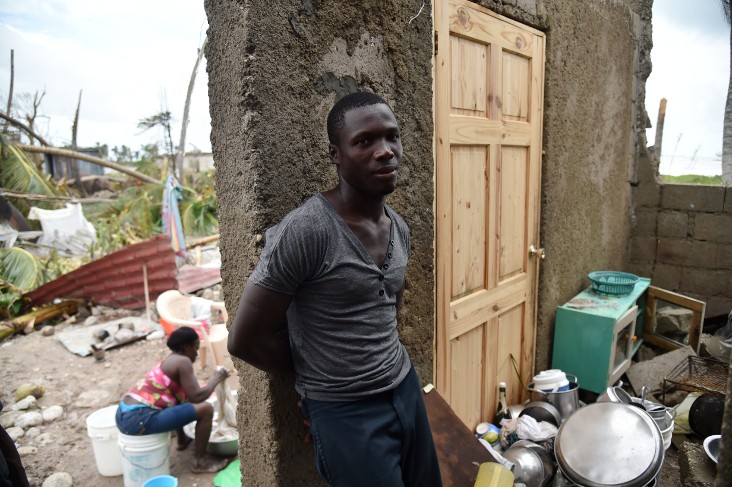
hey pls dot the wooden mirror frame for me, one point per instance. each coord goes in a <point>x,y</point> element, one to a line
<point>697,321</point>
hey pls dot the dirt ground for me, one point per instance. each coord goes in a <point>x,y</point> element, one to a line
<point>81,385</point>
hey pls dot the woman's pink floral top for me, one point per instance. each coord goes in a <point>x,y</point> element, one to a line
<point>157,390</point>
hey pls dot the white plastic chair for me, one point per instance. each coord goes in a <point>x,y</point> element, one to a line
<point>175,309</point>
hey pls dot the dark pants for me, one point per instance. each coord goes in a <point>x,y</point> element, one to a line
<point>382,441</point>
<point>12,473</point>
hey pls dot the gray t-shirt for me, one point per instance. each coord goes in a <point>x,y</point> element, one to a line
<point>342,320</point>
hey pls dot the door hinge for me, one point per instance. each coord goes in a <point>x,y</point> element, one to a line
<point>435,43</point>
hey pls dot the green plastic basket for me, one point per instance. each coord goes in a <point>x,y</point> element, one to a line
<point>612,283</point>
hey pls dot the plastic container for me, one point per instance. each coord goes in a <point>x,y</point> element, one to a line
<point>161,481</point>
<point>493,474</point>
<point>552,380</point>
<point>167,327</point>
<point>102,429</point>
<point>612,282</point>
<point>144,457</point>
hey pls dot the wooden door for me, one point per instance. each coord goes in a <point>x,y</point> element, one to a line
<point>489,78</point>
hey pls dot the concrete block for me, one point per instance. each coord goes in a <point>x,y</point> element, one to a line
<point>687,254</point>
<point>642,269</point>
<point>724,256</point>
<point>728,200</point>
<point>666,276</point>
<point>705,282</point>
<point>647,195</point>
<point>718,306</point>
<point>696,468</point>
<point>713,227</point>
<point>647,171</point>
<point>644,222</point>
<point>673,224</point>
<point>692,197</point>
<point>643,249</point>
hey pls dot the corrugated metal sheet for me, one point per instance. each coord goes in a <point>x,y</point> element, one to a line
<point>118,279</point>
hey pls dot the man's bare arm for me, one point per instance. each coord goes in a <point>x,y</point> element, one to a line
<point>257,334</point>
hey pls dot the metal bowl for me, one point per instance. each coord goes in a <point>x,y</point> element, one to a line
<point>216,446</point>
<point>542,411</point>
<point>223,448</point>
<point>711,446</point>
<point>530,469</point>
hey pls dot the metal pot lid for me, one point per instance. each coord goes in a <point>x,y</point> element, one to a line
<point>608,443</point>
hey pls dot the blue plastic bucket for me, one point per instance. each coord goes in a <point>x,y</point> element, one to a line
<point>161,481</point>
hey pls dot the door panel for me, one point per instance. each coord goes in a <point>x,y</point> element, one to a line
<point>488,100</point>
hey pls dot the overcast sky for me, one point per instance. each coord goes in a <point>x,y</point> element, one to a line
<point>134,58</point>
<point>690,55</point>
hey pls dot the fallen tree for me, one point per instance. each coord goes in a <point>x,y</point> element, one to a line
<point>85,157</point>
<point>19,323</point>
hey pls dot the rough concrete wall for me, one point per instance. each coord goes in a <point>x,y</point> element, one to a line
<point>682,238</point>
<point>275,69</point>
<point>597,60</point>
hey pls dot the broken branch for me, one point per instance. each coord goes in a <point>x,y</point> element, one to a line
<point>24,128</point>
<point>40,197</point>
<point>45,313</point>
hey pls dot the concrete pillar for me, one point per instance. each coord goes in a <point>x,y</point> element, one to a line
<point>275,69</point>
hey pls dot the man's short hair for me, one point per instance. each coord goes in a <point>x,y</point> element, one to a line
<point>353,100</point>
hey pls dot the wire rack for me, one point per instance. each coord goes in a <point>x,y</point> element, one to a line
<point>697,374</point>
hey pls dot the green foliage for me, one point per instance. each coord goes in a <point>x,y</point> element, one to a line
<point>198,209</point>
<point>21,175</point>
<point>12,302</point>
<point>136,214</point>
<point>20,268</point>
<point>163,120</point>
<point>693,179</point>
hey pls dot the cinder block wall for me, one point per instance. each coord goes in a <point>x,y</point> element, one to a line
<point>682,238</point>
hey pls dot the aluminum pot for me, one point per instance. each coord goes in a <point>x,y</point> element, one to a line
<point>567,402</point>
<point>609,444</point>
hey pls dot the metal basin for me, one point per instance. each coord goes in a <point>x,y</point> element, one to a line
<point>216,446</point>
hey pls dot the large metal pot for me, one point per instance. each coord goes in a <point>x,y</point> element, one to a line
<point>567,402</point>
<point>609,444</point>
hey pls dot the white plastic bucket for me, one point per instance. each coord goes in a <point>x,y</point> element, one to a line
<point>144,457</point>
<point>552,380</point>
<point>102,430</point>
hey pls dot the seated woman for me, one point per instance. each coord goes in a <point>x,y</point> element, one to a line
<point>169,397</point>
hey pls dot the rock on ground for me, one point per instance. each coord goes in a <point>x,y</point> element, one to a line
<point>59,479</point>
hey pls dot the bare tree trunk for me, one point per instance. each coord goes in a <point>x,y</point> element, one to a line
<point>74,171</point>
<point>31,117</point>
<point>659,127</point>
<point>180,155</point>
<point>727,130</point>
<point>10,92</point>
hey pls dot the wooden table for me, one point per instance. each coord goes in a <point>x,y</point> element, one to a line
<point>459,452</point>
